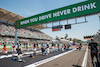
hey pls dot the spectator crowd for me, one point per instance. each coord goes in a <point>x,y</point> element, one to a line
<point>10,30</point>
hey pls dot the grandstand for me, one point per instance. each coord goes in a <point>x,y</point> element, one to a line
<point>7,29</point>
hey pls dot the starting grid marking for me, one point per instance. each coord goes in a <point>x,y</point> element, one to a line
<point>48,59</point>
<point>7,56</point>
<point>10,55</point>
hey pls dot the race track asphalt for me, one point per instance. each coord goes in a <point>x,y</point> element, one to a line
<point>8,62</point>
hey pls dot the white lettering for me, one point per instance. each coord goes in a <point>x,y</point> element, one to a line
<point>79,8</point>
<point>61,12</point>
<point>87,6</point>
<point>93,5</point>
<point>68,11</point>
<point>74,9</point>
<point>56,14</point>
<point>25,22</point>
<point>44,17</point>
<point>34,19</point>
<point>65,12</point>
<point>82,7</point>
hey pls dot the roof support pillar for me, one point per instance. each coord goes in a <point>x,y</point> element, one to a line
<point>16,36</point>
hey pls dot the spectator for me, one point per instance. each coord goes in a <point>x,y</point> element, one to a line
<point>10,30</point>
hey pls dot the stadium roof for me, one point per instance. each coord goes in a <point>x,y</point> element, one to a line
<point>12,17</point>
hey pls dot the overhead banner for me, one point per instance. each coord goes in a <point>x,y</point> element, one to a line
<point>75,10</point>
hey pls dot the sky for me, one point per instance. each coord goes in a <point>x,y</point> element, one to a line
<point>27,8</point>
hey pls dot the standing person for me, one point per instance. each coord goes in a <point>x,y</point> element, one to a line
<point>69,44</point>
<point>19,54</point>
<point>45,45</point>
<point>94,51</point>
<point>13,48</point>
<point>80,46</point>
<point>41,44</point>
<point>16,45</point>
<point>5,43</point>
<point>4,49</point>
<point>77,45</point>
<point>64,47</point>
<point>47,49</point>
<point>53,47</point>
<point>37,46</point>
<point>58,46</point>
<point>43,50</point>
<point>26,46</point>
<point>34,50</point>
<point>20,46</point>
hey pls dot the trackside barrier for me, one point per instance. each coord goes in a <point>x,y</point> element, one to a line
<point>85,58</point>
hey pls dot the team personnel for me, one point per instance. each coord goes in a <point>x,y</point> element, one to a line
<point>19,54</point>
<point>64,47</point>
<point>4,49</point>
<point>47,49</point>
<point>53,47</point>
<point>26,46</point>
<point>20,46</point>
<point>37,46</point>
<point>13,48</point>
<point>43,50</point>
<point>34,50</point>
<point>58,46</point>
<point>80,46</point>
<point>94,51</point>
<point>69,44</point>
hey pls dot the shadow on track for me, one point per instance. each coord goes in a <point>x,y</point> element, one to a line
<point>76,66</point>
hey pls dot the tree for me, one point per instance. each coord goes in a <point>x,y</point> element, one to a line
<point>61,38</point>
<point>57,37</point>
<point>70,39</point>
<point>66,35</point>
<point>76,40</point>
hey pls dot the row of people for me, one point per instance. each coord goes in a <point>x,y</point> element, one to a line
<point>37,45</point>
<point>45,50</point>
